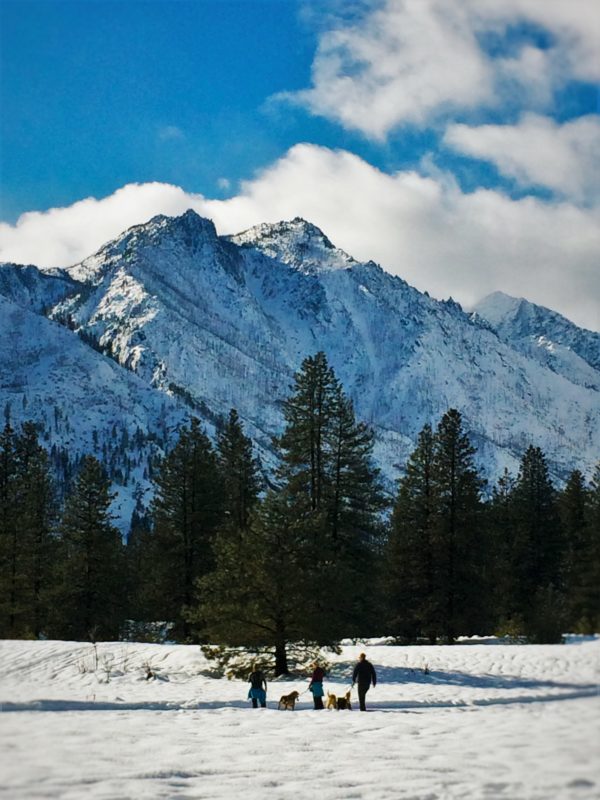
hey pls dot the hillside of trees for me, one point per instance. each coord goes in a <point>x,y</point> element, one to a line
<point>317,554</point>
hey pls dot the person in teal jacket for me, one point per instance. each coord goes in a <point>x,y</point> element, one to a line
<point>316,685</point>
<point>258,688</point>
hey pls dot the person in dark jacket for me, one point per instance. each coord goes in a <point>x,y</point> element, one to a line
<point>316,685</point>
<point>258,688</point>
<point>364,674</point>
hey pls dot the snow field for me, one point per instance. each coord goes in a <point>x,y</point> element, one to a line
<point>485,721</point>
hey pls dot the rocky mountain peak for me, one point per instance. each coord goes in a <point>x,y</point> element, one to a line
<point>296,242</point>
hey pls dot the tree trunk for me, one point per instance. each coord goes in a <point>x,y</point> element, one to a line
<point>281,662</point>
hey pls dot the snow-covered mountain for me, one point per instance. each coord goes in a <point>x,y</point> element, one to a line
<point>545,336</point>
<point>225,321</point>
<point>219,322</point>
<point>28,286</point>
<point>86,402</point>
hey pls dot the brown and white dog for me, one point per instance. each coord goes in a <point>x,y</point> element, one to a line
<point>343,703</point>
<point>331,701</point>
<point>288,701</point>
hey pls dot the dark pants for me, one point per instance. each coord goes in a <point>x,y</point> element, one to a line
<point>363,688</point>
<point>318,701</point>
<point>255,703</point>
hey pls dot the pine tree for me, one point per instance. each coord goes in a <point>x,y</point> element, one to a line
<point>537,546</point>
<point>457,535</point>
<point>240,472</point>
<point>37,511</point>
<point>91,592</point>
<point>409,556</point>
<point>500,527</point>
<point>333,489</point>
<point>257,594</point>
<point>297,572</point>
<point>142,560</point>
<point>584,583</point>
<point>10,545</point>
<point>187,511</point>
<point>571,502</point>
<point>305,445</point>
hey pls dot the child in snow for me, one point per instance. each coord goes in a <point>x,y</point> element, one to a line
<point>316,685</point>
<point>258,688</point>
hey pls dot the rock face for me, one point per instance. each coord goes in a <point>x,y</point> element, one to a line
<point>215,322</point>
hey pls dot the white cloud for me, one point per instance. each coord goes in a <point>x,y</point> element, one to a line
<point>60,237</point>
<point>424,229</point>
<point>539,152</point>
<point>411,61</point>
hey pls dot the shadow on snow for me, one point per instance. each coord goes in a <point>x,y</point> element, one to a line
<point>589,690</point>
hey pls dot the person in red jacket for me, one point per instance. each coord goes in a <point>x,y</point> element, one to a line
<point>364,674</point>
<point>316,685</point>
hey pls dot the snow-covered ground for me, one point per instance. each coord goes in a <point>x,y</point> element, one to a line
<point>487,720</point>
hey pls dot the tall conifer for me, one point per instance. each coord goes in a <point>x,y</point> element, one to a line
<point>91,595</point>
<point>186,511</point>
<point>457,534</point>
<point>409,563</point>
<point>240,472</point>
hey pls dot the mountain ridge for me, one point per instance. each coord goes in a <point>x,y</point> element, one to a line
<point>217,322</point>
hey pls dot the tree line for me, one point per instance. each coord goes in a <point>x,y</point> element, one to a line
<point>314,555</point>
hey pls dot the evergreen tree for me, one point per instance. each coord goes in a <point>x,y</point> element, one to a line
<point>91,592</point>
<point>10,544</point>
<point>584,575</point>
<point>537,545</point>
<point>257,594</point>
<point>333,489</point>
<point>297,572</point>
<point>457,535</point>
<point>142,560</point>
<point>572,501</point>
<point>409,556</point>
<point>500,527</point>
<point>187,510</point>
<point>37,511</point>
<point>240,472</point>
<point>305,444</point>
<point>26,538</point>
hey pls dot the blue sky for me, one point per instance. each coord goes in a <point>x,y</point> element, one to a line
<point>428,112</point>
<point>98,94</point>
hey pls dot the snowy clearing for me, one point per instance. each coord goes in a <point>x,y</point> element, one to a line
<point>488,720</point>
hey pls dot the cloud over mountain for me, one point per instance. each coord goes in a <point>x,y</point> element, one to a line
<point>424,228</point>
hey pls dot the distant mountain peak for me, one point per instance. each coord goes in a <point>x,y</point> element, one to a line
<point>189,222</point>
<point>296,242</point>
<point>528,327</point>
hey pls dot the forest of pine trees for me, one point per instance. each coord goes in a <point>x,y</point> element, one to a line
<point>316,554</point>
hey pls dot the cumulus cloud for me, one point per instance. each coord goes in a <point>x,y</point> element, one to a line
<point>539,152</point>
<point>412,61</point>
<point>423,228</point>
<point>60,237</point>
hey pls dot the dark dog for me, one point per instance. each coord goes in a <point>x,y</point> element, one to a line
<point>288,701</point>
<point>343,703</point>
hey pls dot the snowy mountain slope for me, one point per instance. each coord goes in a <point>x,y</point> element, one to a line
<point>545,336</point>
<point>86,402</point>
<point>225,321</point>
<point>30,287</point>
<point>170,301</point>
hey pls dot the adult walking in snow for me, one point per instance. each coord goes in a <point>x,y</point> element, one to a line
<point>364,674</point>
<point>258,688</point>
<point>316,685</point>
